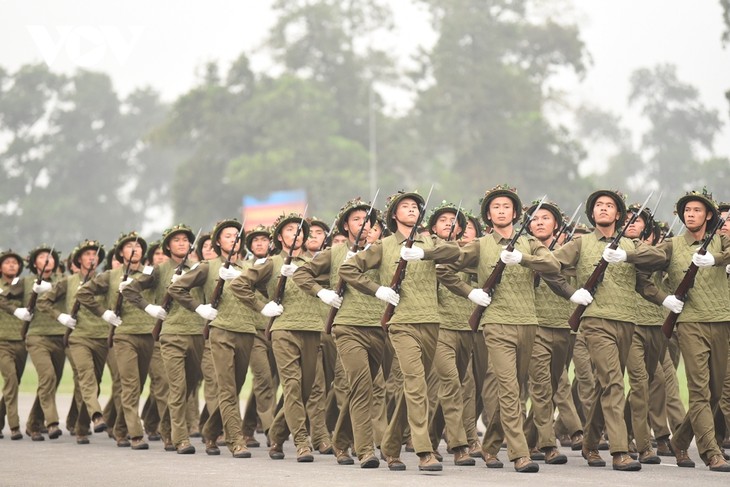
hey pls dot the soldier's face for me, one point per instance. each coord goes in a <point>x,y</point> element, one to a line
<point>543,225</point>
<point>338,239</point>
<point>375,233</point>
<point>502,211</point>
<point>470,233</point>
<point>287,236</point>
<point>605,211</point>
<point>260,246</point>
<point>695,215</point>
<point>226,238</point>
<point>159,257</point>
<point>130,248</point>
<point>725,230</point>
<point>443,224</point>
<point>179,246</point>
<point>407,212</point>
<point>87,259</point>
<point>356,220</point>
<point>635,229</point>
<point>10,267</point>
<point>40,261</point>
<point>207,250</point>
<point>316,237</point>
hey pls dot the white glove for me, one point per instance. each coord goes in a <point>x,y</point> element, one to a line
<point>207,311</point>
<point>673,304</point>
<point>272,309</point>
<point>350,253</point>
<point>388,295</point>
<point>41,288</point>
<point>511,258</point>
<point>581,297</point>
<point>612,256</point>
<point>175,277</point>
<point>287,270</point>
<point>156,311</point>
<point>66,320</point>
<point>412,253</point>
<point>727,269</point>
<point>228,274</point>
<point>124,284</point>
<point>23,314</point>
<point>111,318</point>
<point>330,298</point>
<point>706,260</point>
<point>480,297</point>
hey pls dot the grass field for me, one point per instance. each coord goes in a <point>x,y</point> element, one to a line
<point>29,382</point>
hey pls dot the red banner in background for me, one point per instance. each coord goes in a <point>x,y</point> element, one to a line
<point>265,211</point>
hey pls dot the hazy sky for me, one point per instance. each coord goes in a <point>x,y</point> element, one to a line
<point>164,43</point>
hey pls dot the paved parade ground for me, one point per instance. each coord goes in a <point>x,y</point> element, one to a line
<point>62,462</point>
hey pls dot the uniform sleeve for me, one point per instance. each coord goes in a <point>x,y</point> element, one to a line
<point>13,292</point>
<point>723,258</point>
<point>180,289</point>
<point>540,259</point>
<point>443,252</point>
<point>448,274</point>
<point>97,286</point>
<point>352,271</point>
<point>133,292</point>
<point>47,300</point>
<point>647,289</point>
<point>255,278</point>
<point>308,274</point>
<point>646,256</point>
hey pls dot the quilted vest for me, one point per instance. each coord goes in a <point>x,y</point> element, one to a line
<point>134,320</point>
<point>233,315</point>
<point>455,310</point>
<point>302,312</point>
<point>357,309</point>
<point>88,325</point>
<point>43,324</point>
<point>11,327</point>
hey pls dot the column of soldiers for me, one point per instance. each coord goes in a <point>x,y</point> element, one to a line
<point>302,305</point>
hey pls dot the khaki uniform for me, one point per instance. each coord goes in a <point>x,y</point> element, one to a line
<point>13,354</point>
<point>703,329</point>
<point>510,325</point>
<point>360,341</point>
<point>413,329</point>
<point>607,326</point>
<point>133,342</point>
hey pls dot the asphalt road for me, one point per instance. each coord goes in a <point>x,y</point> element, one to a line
<point>62,462</point>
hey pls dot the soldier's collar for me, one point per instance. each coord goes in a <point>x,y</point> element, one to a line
<point>400,238</point>
<point>690,239</point>
<point>600,236</point>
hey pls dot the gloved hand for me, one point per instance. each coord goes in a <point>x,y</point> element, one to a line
<point>23,314</point>
<point>228,274</point>
<point>613,256</point>
<point>727,269</point>
<point>175,277</point>
<point>156,311</point>
<point>673,304</point>
<point>66,320</point>
<point>41,288</point>
<point>511,258</point>
<point>111,318</point>
<point>124,284</point>
<point>581,297</point>
<point>388,295</point>
<point>706,260</point>
<point>413,253</point>
<point>350,253</point>
<point>480,297</point>
<point>272,309</point>
<point>207,311</point>
<point>287,270</point>
<point>330,298</point>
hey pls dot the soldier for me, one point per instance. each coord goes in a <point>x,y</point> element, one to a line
<point>261,404</point>
<point>551,351</point>
<point>133,345</point>
<point>510,322</point>
<point>703,325</point>
<point>607,325</point>
<point>87,347</point>
<point>359,338</point>
<point>454,346</point>
<point>13,354</point>
<point>44,342</point>
<point>181,341</point>
<point>724,208</point>
<point>413,328</point>
<point>232,331</point>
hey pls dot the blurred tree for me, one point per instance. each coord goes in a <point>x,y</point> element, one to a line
<point>682,130</point>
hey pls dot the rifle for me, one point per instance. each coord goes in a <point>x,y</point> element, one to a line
<point>597,275</point>
<point>327,237</point>
<point>215,299</point>
<point>34,295</point>
<point>120,298</point>
<point>496,276</point>
<point>671,227</point>
<point>572,231</point>
<point>167,300</point>
<point>341,284</point>
<point>281,285</point>
<point>400,270</point>
<point>561,231</point>
<point>688,281</point>
<point>77,305</point>
<point>453,222</point>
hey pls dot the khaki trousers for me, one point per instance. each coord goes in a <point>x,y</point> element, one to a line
<point>87,357</point>
<point>13,356</point>
<point>181,356</point>
<point>262,403</point>
<point>133,354</point>
<point>48,356</point>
